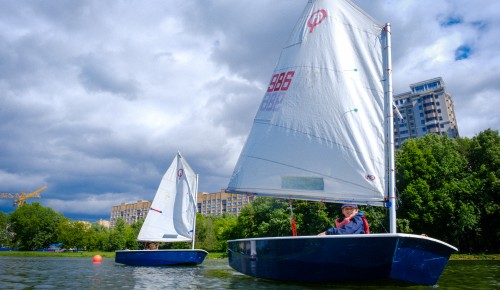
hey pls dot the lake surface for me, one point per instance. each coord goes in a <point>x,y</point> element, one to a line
<point>82,273</point>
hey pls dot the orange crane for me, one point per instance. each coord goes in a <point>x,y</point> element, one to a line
<point>22,196</point>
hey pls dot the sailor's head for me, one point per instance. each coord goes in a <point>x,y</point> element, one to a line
<point>349,208</point>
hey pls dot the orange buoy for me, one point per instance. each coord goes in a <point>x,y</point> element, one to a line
<point>97,259</point>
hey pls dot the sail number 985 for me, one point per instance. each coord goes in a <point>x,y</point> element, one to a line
<point>281,81</point>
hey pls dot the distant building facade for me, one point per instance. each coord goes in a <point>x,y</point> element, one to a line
<point>208,204</point>
<point>222,202</point>
<point>129,212</point>
<point>427,108</point>
<point>103,223</point>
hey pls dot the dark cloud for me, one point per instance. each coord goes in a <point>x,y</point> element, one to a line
<point>97,97</point>
<point>96,78</point>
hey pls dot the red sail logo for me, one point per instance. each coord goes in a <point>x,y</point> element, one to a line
<point>316,19</point>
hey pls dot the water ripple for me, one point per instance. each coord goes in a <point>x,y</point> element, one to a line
<point>82,273</point>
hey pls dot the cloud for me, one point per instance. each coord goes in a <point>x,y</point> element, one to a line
<point>96,78</point>
<point>97,97</point>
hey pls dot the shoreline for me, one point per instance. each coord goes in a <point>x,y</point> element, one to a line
<point>83,254</point>
<point>212,255</point>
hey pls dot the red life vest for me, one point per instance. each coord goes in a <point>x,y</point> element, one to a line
<point>365,225</point>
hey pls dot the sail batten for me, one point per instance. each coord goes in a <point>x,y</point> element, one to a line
<point>319,131</point>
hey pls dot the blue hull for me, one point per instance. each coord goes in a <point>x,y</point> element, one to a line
<point>160,257</point>
<point>401,257</point>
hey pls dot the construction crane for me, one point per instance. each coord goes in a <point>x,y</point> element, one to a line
<point>22,196</point>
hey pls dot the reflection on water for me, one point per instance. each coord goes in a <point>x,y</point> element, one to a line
<point>82,273</point>
<point>471,275</point>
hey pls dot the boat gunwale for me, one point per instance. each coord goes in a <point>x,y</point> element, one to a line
<point>382,235</point>
<point>162,250</point>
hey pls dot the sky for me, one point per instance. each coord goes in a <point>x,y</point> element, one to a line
<point>97,97</point>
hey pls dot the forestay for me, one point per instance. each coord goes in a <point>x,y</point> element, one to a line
<point>171,217</point>
<point>319,131</point>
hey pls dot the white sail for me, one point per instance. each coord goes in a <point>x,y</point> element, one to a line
<point>319,131</point>
<point>171,217</point>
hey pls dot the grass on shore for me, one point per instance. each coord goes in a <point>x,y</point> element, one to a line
<point>495,257</point>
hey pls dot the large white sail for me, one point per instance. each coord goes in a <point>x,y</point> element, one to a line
<point>319,131</point>
<point>171,217</point>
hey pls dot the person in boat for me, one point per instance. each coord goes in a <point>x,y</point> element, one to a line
<point>151,246</point>
<point>353,222</point>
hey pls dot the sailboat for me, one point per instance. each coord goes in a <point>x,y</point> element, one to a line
<point>171,218</point>
<point>324,132</point>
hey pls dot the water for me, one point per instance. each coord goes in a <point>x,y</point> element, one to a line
<point>82,273</point>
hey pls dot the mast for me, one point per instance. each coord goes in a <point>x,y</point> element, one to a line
<point>390,129</point>
<point>195,210</point>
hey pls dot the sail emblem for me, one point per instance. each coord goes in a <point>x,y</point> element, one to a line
<point>180,173</point>
<point>370,177</point>
<point>315,19</point>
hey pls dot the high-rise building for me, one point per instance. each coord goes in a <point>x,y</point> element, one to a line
<point>221,202</point>
<point>427,108</point>
<point>130,212</point>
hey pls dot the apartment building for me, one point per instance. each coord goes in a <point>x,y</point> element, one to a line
<point>222,202</point>
<point>207,204</point>
<point>427,108</point>
<point>130,212</point>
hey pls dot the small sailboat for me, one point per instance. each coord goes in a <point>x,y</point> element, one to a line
<point>171,218</point>
<point>324,132</point>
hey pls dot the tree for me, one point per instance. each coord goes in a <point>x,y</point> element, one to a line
<point>449,189</point>
<point>73,234</point>
<point>224,230</point>
<point>118,236</point>
<point>34,226</point>
<point>311,217</point>
<point>5,234</point>
<point>264,217</point>
<point>484,159</point>
<point>133,233</point>
<point>98,237</point>
<point>205,233</point>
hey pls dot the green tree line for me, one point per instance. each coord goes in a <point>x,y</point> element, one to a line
<point>447,188</point>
